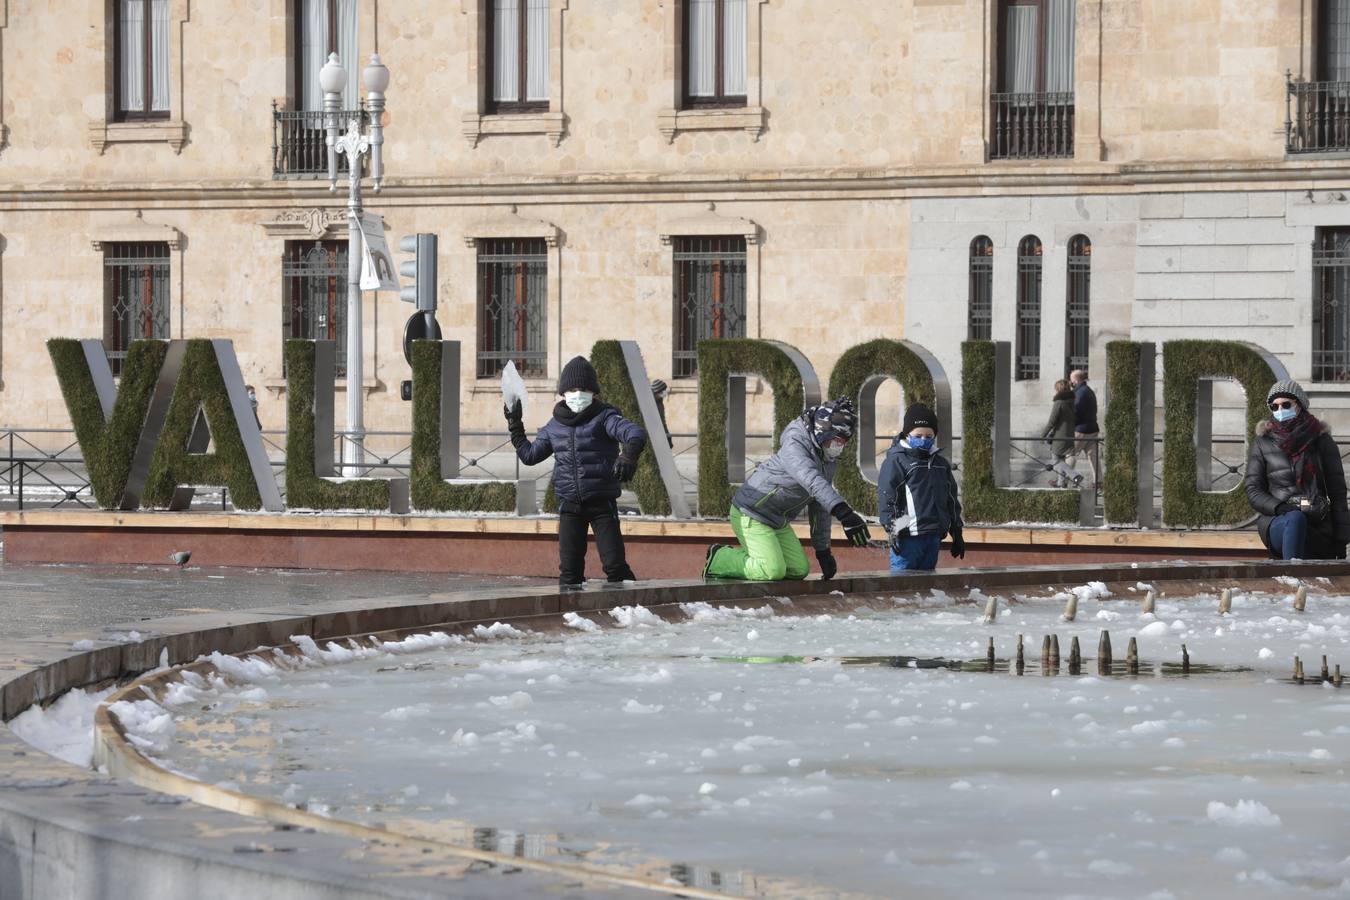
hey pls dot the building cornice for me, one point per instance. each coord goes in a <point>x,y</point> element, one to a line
<point>886,183</point>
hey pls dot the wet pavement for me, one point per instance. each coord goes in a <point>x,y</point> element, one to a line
<point>40,600</point>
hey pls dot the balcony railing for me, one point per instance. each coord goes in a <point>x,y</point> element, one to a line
<point>299,141</point>
<point>1317,116</point>
<point>1032,126</point>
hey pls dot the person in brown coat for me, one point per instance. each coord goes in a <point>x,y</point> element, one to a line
<point>1058,433</point>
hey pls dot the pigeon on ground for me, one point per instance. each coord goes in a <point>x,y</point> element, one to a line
<point>180,557</point>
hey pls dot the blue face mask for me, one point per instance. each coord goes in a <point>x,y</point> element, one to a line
<point>1284,415</point>
<point>924,444</point>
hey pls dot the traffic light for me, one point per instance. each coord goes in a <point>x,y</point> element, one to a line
<point>420,270</point>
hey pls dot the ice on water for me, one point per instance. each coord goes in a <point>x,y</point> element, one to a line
<point>677,737</point>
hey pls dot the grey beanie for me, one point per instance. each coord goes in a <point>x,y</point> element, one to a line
<point>1287,387</point>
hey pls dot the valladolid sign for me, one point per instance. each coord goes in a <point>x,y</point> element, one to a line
<point>180,419</point>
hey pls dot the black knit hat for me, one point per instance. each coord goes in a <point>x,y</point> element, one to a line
<point>919,416</point>
<point>578,375</point>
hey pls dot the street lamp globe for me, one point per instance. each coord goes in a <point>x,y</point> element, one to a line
<point>375,75</point>
<point>332,77</point>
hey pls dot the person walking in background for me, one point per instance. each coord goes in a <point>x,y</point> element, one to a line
<point>253,404</point>
<point>798,476</point>
<point>917,493</point>
<point>1058,433</point>
<point>1085,428</point>
<point>595,450</point>
<point>661,390</point>
<point>1295,480</point>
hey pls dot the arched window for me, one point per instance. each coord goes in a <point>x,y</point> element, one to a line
<point>980,314</point>
<point>1078,303</point>
<point>1027,366</point>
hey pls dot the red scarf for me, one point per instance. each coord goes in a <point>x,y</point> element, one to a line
<point>1295,438</point>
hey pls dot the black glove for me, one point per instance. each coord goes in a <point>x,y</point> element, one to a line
<point>895,544</point>
<point>958,549</point>
<point>1285,506</point>
<point>625,467</point>
<point>827,564</point>
<point>855,529</point>
<point>515,424</point>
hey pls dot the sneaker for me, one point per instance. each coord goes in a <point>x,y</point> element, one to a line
<point>1078,481</point>
<point>707,563</point>
<point>571,586</point>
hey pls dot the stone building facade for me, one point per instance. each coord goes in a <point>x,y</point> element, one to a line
<point>821,170</point>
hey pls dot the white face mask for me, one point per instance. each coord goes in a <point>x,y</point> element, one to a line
<point>578,400</point>
<point>834,450</point>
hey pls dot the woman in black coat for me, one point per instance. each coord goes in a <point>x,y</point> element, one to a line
<point>1295,480</point>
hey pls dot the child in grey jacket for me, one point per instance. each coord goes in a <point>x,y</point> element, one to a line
<point>919,504</point>
<point>794,479</point>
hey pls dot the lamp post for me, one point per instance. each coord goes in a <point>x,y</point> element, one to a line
<point>354,144</point>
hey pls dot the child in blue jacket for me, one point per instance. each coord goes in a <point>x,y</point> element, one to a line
<point>585,437</point>
<point>919,504</point>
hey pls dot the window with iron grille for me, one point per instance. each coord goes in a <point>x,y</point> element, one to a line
<point>1331,305</point>
<point>314,295</point>
<point>512,306</point>
<point>714,53</point>
<point>709,295</point>
<point>135,296</point>
<point>517,55</point>
<point>142,59</point>
<point>1033,109</point>
<point>1028,363</point>
<point>980,299</point>
<point>1078,305</point>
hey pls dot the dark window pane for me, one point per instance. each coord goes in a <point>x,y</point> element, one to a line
<point>980,299</point>
<point>1331,299</point>
<point>1033,107</point>
<point>1078,305</point>
<point>1027,365</point>
<point>512,306</point>
<point>135,296</point>
<point>709,295</point>
<point>314,295</point>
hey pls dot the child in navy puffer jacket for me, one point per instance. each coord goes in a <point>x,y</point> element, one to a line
<point>584,438</point>
<point>919,505</point>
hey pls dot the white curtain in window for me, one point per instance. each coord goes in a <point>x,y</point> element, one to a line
<point>536,55</point>
<point>159,55</point>
<point>316,44</point>
<point>313,51</point>
<point>733,47</point>
<point>132,76</point>
<point>506,50</point>
<point>1019,53</point>
<point>349,51</point>
<point>1059,45</point>
<point>701,79</point>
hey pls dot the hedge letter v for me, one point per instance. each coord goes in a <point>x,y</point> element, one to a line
<point>108,421</point>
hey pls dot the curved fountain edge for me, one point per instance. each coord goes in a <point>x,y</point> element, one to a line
<point>63,828</point>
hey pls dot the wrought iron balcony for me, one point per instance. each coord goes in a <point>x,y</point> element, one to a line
<point>1317,116</point>
<point>300,141</point>
<point>1032,126</point>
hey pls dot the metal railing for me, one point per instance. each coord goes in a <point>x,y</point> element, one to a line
<point>42,468</point>
<point>1032,126</point>
<point>1316,116</point>
<point>300,141</point>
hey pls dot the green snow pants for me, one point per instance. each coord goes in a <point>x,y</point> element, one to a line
<point>764,554</point>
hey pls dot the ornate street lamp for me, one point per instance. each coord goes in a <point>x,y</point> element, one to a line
<point>353,143</point>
